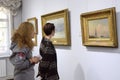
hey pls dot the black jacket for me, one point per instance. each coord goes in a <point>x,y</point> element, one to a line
<point>48,64</point>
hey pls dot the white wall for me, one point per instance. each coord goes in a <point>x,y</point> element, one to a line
<point>77,62</point>
<point>17,18</point>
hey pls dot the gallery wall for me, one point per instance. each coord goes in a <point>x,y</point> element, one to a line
<point>17,18</point>
<point>78,62</point>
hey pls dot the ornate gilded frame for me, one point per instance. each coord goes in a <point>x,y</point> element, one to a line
<point>99,28</point>
<point>34,21</point>
<point>62,29</point>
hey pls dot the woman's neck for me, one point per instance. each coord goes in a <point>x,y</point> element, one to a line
<point>48,37</point>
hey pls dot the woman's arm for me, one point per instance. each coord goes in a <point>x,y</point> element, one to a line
<point>20,62</point>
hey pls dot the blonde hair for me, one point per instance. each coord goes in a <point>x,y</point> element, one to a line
<point>23,35</point>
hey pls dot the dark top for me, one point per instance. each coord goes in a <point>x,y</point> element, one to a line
<point>48,63</point>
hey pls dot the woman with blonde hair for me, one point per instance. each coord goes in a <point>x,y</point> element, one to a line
<point>21,48</point>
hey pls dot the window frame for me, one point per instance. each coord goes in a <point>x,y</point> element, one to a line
<point>9,30</point>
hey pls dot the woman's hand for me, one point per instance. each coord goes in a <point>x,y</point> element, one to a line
<point>34,59</point>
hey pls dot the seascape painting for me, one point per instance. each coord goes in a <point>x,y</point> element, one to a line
<point>59,27</point>
<point>61,21</point>
<point>98,28</point>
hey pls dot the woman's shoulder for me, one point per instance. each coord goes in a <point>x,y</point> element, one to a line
<point>24,49</point>
<point>45,41</point>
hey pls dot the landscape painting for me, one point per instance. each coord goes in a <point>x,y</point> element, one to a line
<point>99,28</point>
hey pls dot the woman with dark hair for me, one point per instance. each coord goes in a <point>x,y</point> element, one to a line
<point>48,63</point>
<point>21,48</point>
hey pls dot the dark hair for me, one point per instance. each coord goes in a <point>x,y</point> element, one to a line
<point>48,28</point>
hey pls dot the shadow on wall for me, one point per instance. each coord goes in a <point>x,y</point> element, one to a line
<point>63,47</point>
<point>79,74</point>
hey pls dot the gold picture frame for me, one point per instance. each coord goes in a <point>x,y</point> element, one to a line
<point>61,22</point>
<point>35,25</point>
<point>99,28</point>
<point>35,40</point>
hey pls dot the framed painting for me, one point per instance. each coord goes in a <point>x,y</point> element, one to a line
<point>99,28</point>
<point>35,25</point>
<point>35,40</point>
<point>34,22</point>
<point>62,31</point>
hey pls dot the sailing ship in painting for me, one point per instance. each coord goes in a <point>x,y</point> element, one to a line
<point>98,28</point>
